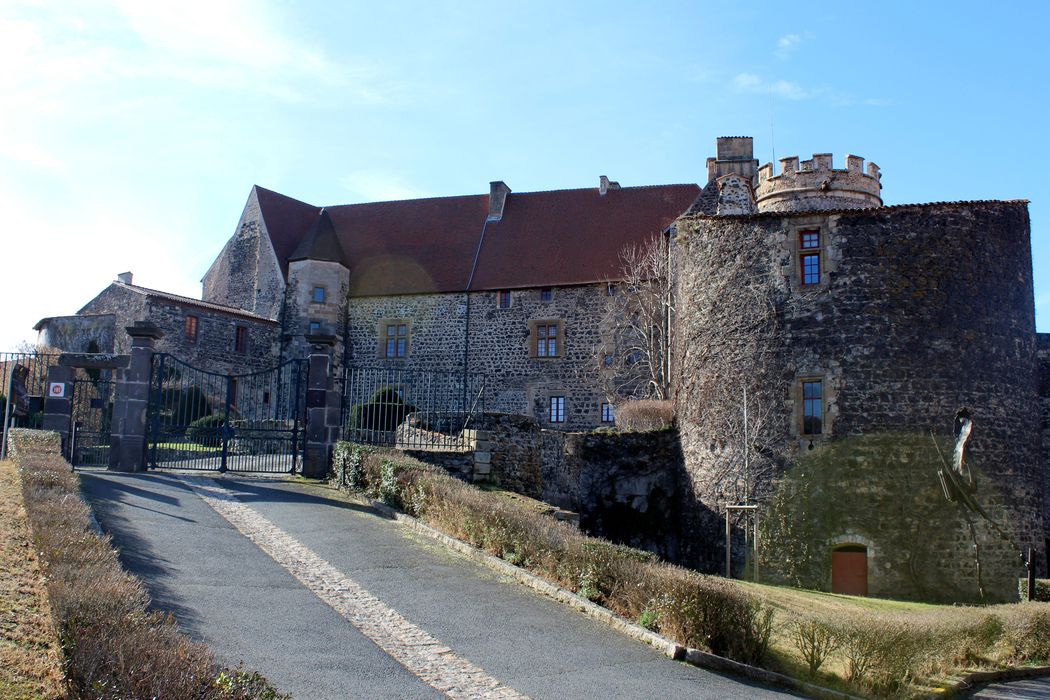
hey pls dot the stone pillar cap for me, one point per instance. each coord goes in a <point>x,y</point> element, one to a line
<point>144,329</point>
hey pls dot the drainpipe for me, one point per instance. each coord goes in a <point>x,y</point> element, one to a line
<point>466,325</point>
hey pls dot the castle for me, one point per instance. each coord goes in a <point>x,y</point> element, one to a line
<point>851,331</point>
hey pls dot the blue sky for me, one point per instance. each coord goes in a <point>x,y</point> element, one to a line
<point>131,132</point>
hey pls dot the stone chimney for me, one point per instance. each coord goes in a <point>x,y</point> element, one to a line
<point>498,192</point>
<point>124,278</point>
<point>605,184</point>
<point>735,155</point>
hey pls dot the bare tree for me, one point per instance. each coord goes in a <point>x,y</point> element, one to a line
<point>634,358</point>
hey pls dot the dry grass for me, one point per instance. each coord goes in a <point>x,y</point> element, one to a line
<point>113,646</point>
<point>30,658</point>
<point>863,646</point>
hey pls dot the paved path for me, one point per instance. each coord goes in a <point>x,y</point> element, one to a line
<point>331,600</point>
<point>1031,689</point>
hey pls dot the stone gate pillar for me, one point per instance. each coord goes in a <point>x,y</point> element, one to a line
<point>58,403</point>
<point>127,445</point>
<point>322,408</point>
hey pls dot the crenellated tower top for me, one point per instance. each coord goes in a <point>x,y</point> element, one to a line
<point>814,184</point>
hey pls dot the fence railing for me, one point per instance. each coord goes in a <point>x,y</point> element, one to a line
<point>411,409</point>
<point>24,387</point>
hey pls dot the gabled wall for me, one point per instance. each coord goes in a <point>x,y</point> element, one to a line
<point>247,274</point>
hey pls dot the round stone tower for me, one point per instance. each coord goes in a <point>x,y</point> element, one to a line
<point>856,331</point>
<point>814,184</point>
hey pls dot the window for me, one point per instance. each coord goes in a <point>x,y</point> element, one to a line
<point>240,339</point>
<point>812,407</point>
<point>546,294</point>
<point>503,301</point>
<point>317,296</point>
<point>191,329</point>
<point>809,256</point>
<point>547,340</point>
<point>315,327</point>
<point>607,413</point>
<point>266,398</point>
<point>557,414</point>
<point>395,338</point>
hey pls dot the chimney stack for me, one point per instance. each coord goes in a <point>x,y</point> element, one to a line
<point>605,184</point>
<point>124,278</point>
<point>498,192</point>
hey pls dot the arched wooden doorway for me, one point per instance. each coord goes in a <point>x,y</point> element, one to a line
<point>849,569</point>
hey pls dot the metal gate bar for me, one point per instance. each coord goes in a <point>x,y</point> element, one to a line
<point>203,420</point>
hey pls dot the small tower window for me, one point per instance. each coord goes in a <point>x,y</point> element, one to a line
<point>315,327</point>
<point>317,296</point>
<point>812,407</point>
<point>809,256</point>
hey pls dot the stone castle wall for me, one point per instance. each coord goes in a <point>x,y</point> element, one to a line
<point>815,185</point>
<point>498,346</point>
<point>80,333</point>
<point>921,310</point>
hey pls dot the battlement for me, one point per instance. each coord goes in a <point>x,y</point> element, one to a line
<point>816,184</point>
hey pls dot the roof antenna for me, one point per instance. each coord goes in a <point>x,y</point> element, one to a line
<point>772,140</point>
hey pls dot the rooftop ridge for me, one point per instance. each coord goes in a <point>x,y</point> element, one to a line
<point>853,210</point>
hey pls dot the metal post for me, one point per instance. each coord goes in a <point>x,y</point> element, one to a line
<point>756,546</point>
<point>73,445</point>
<point>728,533</point>
<point>226,425</point>
<point>7,409</point>
<point>1030,565</point>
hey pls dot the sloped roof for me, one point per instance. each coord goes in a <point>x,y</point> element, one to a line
<point>180,300</point>
<point>321,242</point>
<point>415,246</point>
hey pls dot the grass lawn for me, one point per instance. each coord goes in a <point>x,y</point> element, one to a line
<point>30,661</point>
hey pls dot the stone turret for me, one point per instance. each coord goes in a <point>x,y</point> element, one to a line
<point>814,185</point>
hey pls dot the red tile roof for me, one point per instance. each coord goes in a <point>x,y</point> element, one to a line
<point>416,246</point>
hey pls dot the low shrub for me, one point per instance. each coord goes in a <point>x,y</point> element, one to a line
<point>696,610</point>
<point>815,641</point>
<point>206,430</point>
<point>384,411</point>
<point>1042,589</point>
<point>113,646</point>
<point>645,414</point>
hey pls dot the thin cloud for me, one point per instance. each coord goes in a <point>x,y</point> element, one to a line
<point>787,44</point>
<point>377,186</point>
<point>786,89</point>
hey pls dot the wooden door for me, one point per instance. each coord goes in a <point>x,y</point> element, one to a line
<point>849,570</point>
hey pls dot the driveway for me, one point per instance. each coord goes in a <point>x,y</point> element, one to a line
<point>330,599</point>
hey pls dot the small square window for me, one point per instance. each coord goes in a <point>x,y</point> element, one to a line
<point>557,412</point>
<point>240,339</point>
<point>546,294</point>
<point>808,240</point>
<point>315,327</point>
<point>504,299</point>
<point>191,328</point>
<point>607,413</point>
<point>317,296</point>
<point>812,407</point>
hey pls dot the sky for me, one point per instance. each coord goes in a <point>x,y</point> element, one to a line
<point>132,131</point>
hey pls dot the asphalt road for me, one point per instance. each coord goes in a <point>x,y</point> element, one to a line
<point>227,593</point>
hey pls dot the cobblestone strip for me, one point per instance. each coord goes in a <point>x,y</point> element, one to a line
<point>426,657</point>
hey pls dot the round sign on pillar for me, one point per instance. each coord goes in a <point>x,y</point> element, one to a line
<point>56,390</point>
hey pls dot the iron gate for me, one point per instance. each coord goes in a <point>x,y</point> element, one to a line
<point>90,418</point>
<point>250,422</point>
